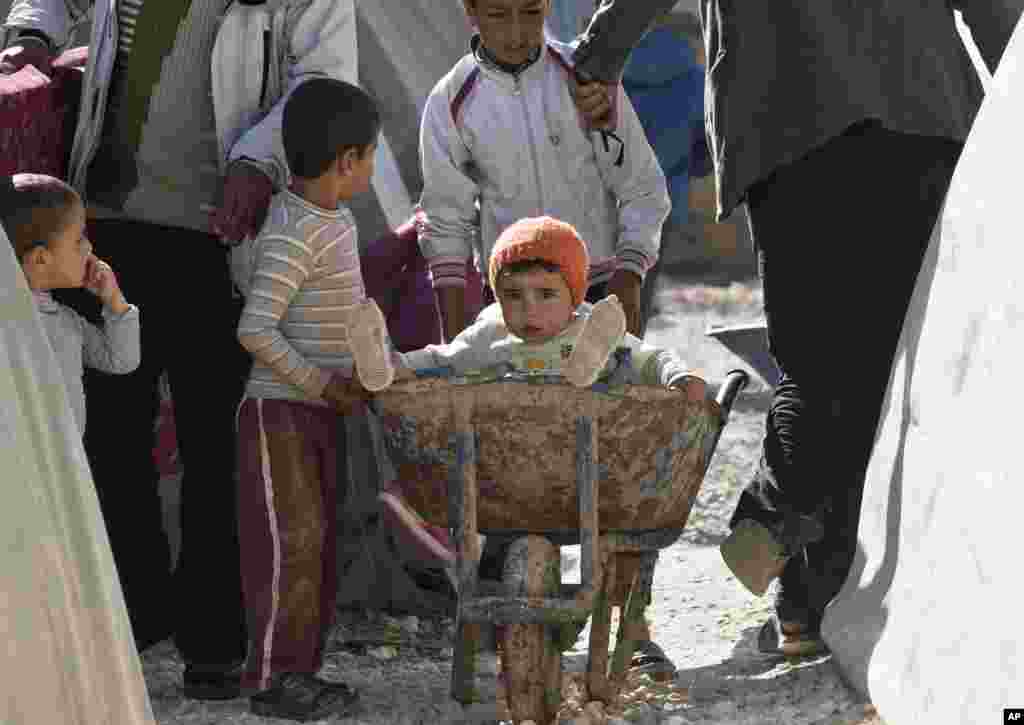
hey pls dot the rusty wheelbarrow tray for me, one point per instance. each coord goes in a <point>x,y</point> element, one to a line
<point>613,469</point>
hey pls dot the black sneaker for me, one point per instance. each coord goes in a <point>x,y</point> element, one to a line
<point>204,682</point>
<point>302,696</point>
<point>790,639</point>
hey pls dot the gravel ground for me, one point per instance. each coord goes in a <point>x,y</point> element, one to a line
<point>702,618</point>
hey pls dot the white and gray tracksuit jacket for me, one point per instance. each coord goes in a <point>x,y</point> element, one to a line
<point>496,148</point>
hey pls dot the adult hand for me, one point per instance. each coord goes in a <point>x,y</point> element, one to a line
<point>593,102</point>
<point>244,202</point>
<point>345,394</point>
<point>626,286</point>
<point>25,53</point>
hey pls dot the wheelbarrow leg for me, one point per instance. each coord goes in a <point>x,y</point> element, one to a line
<point>600,632</point>
<point>531,654</point>
<point>631,596</point>
<point>467,637</point>
<point>462,493</point>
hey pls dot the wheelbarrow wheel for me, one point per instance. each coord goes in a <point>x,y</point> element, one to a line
<point>531,658</point>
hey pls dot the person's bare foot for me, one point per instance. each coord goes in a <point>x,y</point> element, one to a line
<point>601,334</point>
<point>367,333</point>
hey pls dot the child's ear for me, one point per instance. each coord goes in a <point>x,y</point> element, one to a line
<point>37,256</point>
<point>347,161</point>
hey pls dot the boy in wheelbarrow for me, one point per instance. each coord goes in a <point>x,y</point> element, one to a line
<point>542,325</point>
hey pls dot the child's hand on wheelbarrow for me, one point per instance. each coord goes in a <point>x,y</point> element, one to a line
<point>346,395</point>
<point>693,388</point>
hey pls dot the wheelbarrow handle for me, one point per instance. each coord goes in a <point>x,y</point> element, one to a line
<point>735,381</point>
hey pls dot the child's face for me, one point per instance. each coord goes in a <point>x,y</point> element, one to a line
<point>69,251</point>
<point>357,170</point>
<point>362,169</point>
<point>536,304</point>
<point>510,29</point>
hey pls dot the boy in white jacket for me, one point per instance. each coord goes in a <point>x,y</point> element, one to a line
<point>501,140</point>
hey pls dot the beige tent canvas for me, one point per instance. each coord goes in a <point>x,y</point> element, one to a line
<point>927,624</point>
<point>68,654</point>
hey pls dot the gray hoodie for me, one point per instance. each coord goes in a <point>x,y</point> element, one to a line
<point>77,343</point>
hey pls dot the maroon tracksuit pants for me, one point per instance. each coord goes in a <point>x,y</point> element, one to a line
<point>289,457</point>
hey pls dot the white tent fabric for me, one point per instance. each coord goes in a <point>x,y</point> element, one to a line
<point>68,655</point>
<point>927,624</point>
<point>405,47</point>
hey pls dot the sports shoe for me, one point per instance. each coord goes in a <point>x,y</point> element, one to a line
<point>302,696</point>
<point>201,682</point>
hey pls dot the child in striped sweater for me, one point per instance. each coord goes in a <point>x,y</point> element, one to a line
<point>304,323</point>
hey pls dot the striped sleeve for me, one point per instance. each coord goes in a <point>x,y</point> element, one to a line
<point>472,349</point>
<point>447,223</point>
<point>282,264</point>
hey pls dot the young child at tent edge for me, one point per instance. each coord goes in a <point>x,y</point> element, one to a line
<point>45,220</point>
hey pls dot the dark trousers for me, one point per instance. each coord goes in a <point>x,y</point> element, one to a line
<point>179,280</point>
<point>840,236</point>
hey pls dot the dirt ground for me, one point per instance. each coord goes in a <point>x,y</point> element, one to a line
<point>702,618</point>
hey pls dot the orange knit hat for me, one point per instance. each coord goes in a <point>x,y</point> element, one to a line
<point>546,239</point>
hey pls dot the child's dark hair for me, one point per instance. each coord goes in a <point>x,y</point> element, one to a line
<point>324,118</point>
<point>33,208</point>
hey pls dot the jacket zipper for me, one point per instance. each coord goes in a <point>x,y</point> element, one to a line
<point>91,142</point>
<point>533,146</point>
<point>266,66</point>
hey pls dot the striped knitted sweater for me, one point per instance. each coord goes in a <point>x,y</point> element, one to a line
<point>303,281</point>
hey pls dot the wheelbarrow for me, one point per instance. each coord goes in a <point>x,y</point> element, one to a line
<point>531,458</point>
<point>749,342</point>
